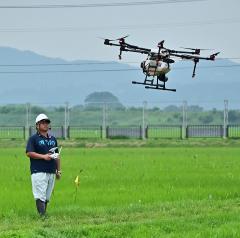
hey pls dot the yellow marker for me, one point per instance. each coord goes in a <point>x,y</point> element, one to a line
<point>77,181</point>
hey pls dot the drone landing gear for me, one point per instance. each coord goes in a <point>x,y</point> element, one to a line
<point>160,87</point>
<point>149,84</point>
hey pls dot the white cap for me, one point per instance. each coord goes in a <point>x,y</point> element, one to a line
<point>41,117</point>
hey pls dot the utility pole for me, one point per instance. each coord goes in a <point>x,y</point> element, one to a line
<point>66,121</point>
<point>104,119</point>
<point>225,119</point>
<point>143,119</point>
<point>184,121</point>
<point>27,120</point>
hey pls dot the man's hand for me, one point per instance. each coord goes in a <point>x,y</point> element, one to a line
<point>47,157</point>
<point>54,156</point>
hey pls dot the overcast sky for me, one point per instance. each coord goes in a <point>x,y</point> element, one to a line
<point>72,33</point>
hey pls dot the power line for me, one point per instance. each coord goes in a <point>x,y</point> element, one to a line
<point>66,71</point>
<point>60,64</point>
<point>108,70</point>
<point>91,63</point>
<point>97,5</point>
<point>123,27</point>
<point>213,66</point>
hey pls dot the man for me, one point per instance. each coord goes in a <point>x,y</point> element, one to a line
<point>44,165</point>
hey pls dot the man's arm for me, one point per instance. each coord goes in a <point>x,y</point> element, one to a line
<point>58,171</point>
<point>58,163</point>
<point>35,155</point>
<point>30,151</point>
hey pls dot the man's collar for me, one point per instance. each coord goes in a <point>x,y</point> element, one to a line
<point>48,136</point>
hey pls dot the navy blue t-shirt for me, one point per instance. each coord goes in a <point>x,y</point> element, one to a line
<point>41,145</point>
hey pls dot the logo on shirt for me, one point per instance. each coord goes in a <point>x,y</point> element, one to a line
<point>41,142</point>
<point>47,142</point>
<point>50,142</point>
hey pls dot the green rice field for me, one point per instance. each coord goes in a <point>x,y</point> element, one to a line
<point>127,192</point>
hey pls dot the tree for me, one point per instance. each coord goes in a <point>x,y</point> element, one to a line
<point>37,110</point>
<point>206,119</point>
<point>195,108</point>
<point>233,116</point>
<point>172,108</point>
<point>99,99</point>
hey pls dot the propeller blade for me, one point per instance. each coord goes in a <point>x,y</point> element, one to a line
<point>216,54</point>
<point>212,57</point>
<point>160,44</point>
<point>124,37</point>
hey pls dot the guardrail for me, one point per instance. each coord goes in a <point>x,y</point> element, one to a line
<point>233,131</point>
<point>204,131</point>
<point>87,132</point>
<point>163,131</point>
<point>12,132</point>
<point>137,132</point>
<point>124,132</point>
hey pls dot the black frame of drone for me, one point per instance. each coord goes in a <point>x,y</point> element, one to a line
<point>193,54</point>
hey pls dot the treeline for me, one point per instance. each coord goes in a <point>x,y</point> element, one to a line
<point>95,114</point>
<point>21,108</point>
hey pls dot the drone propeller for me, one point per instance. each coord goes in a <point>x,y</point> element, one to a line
<point>121,40</point>
<point>160,44</point>
<point>212,57</point>
<point>110,40</point>
<point>124,37</point>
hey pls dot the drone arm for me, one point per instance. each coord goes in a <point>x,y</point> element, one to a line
<point>195,60</point>
<point>111,44</point>
<point>181,52</point>
<point>136,47</point>
<point>135,51</point>
<point>130,50</point>
<point>202,58</point>
<point>126,45</point>
<point>188,57</point>
<point>211,57</point>
<point>193,57</point>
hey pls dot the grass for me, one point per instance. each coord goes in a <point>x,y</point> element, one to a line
<point>127,192</point>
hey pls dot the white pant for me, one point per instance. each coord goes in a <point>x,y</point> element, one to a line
<point>42,185</point>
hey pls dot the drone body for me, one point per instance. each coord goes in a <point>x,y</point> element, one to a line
<point>153,67</point>
<point>158,62</point>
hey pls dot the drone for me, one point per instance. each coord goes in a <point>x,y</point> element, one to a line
<point>55,155</point>
<point>158,61</point>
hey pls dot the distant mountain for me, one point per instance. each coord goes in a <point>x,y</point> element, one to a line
<point>212,84</point>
